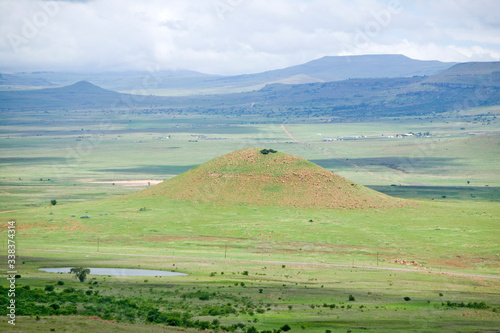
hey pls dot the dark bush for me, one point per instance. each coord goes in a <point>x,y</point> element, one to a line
<point>267,151</point>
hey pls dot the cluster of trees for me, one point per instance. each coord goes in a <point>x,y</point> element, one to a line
<point>51,301</point>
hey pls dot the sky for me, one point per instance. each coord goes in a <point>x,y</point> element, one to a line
<point>230,37</point>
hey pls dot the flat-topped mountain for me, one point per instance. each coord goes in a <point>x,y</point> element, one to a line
<point>250,177</point>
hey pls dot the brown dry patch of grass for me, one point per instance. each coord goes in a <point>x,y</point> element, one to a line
<point>36,225</point>
<point>73,225</point>
<point>68,225</point>
<point>165,239</point>
<point>456,262</point>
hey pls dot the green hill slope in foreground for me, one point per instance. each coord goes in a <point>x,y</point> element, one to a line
<point>248,176</point>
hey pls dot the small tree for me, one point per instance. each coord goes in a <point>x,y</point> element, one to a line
<point>53,202</point>
<point>267,151</point>
<point>80,273</point>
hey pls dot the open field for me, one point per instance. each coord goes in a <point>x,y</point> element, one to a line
<point>281,265</point>
<point>83,147</point>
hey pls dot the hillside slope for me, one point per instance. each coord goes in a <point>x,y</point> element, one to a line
<point>469,74</point>
<point>247,176</point>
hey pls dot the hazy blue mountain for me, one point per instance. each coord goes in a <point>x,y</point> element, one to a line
<point>183,82</point>
<point>463,85</point>
<point>81,94</point>
<point>352,67</point>
<point>23,81</point>
<point>321,70</point>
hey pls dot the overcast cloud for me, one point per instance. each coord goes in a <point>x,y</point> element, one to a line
<point>238,36</point>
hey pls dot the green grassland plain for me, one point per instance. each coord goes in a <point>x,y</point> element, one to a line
<point>297,260</point>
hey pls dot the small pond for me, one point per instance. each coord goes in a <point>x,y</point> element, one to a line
<point>116,271</point>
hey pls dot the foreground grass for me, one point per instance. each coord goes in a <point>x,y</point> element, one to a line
<point>437,235</point>
<point>273,266</point>
<point>263,295</point>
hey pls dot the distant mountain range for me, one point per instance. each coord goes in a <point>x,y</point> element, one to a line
<point>461,86</point>
<point>183,82</point>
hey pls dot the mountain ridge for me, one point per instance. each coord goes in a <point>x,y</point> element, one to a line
<point>328,68</point>
<point>448,90</point>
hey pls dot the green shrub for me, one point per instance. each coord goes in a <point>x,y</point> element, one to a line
<point>267,151</point>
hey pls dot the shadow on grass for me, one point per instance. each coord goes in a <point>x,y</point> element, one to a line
<point>154,170</point>
<point>476,193</point>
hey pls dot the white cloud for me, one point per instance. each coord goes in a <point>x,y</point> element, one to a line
<point>238,36</point>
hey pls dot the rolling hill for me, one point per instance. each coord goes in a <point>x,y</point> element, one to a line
<point>468,75</point>
<point>249,177</point>
<point>82,94</point>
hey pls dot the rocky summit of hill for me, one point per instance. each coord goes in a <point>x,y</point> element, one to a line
<point>249,177</point>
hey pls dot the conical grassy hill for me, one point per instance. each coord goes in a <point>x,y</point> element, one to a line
<point>247,176</point>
